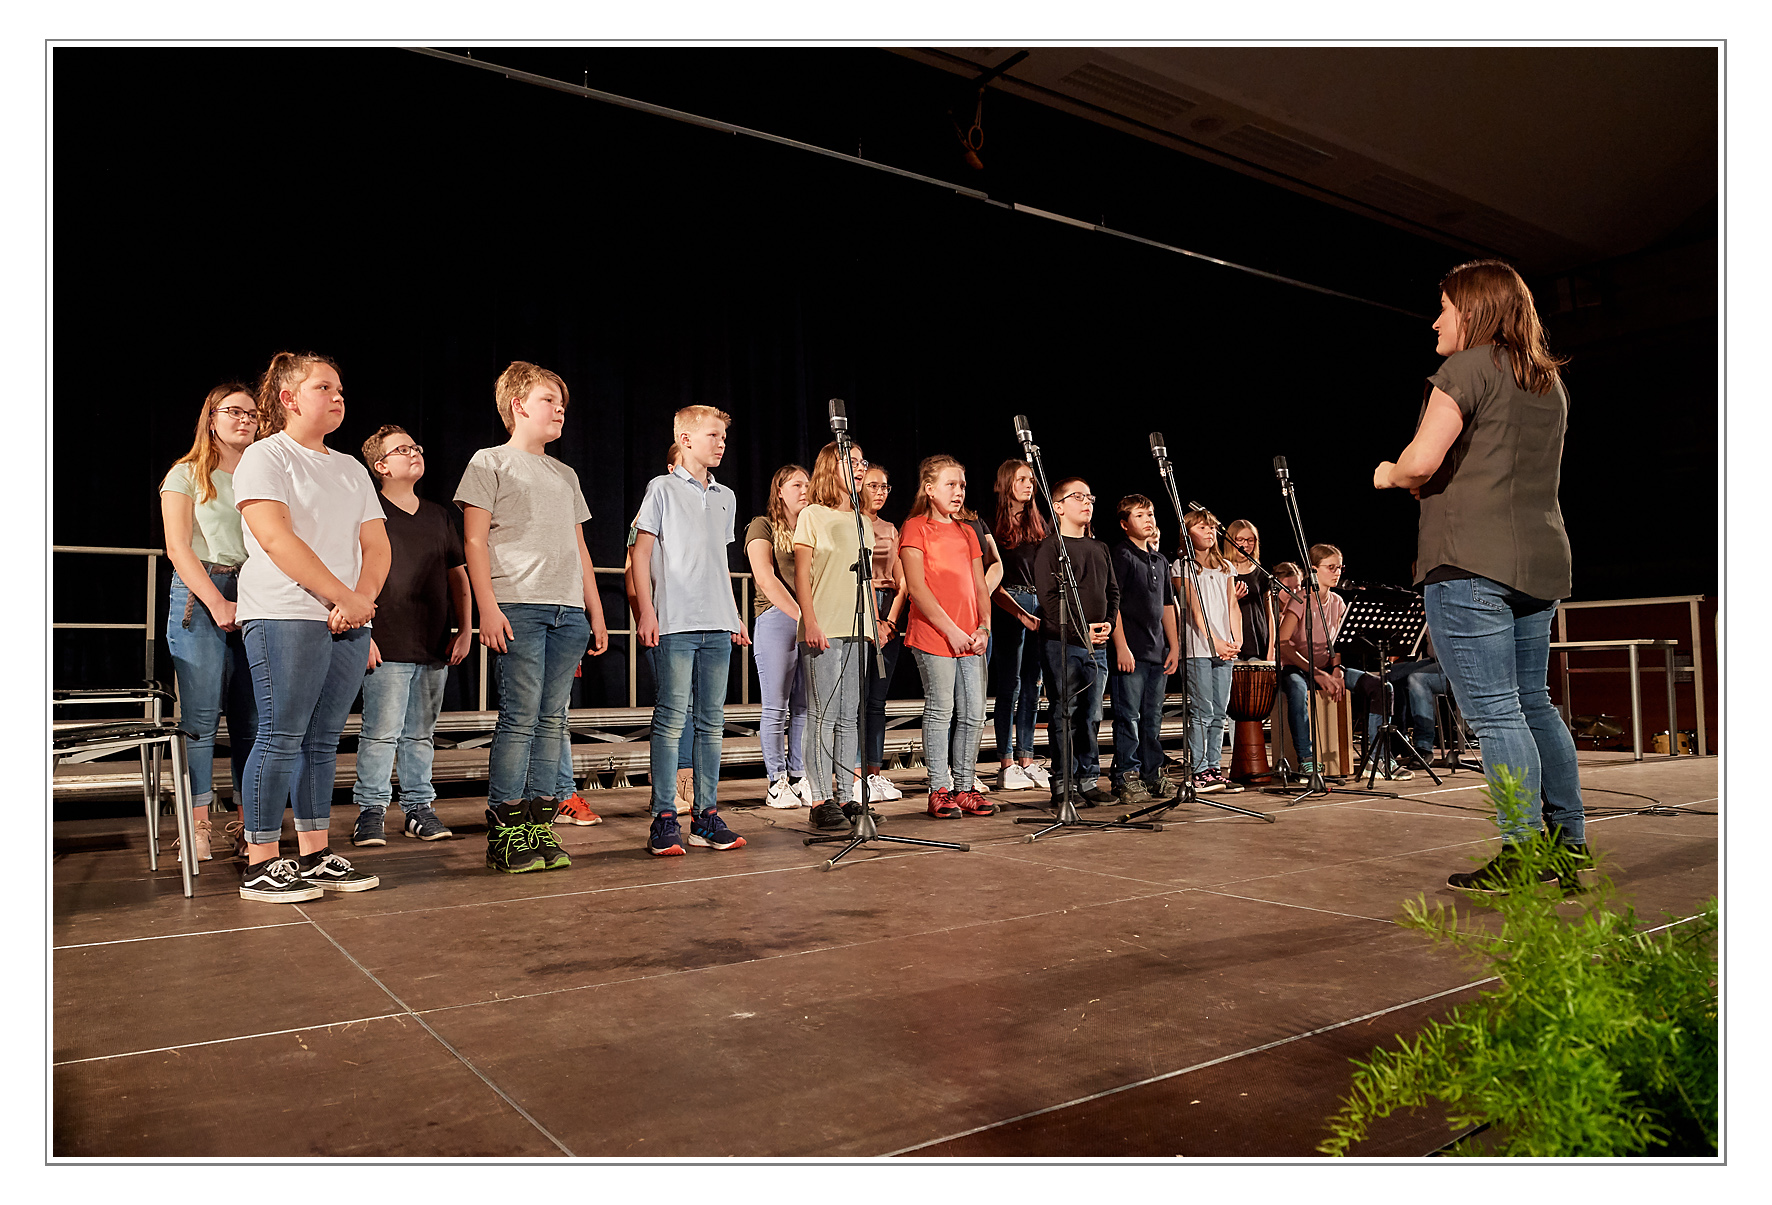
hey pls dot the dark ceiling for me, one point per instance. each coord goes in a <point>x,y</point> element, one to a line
<point>1554,157</point>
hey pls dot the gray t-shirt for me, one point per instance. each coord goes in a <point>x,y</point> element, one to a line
<point>535,508</point>
<point>691,588</point>
<point>1491,508</point>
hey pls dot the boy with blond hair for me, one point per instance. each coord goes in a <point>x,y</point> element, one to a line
<point>684,610</point>
<point>523,515</point>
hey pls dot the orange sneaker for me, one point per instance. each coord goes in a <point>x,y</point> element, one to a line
<point>972,803</point>
<point>574,810</point>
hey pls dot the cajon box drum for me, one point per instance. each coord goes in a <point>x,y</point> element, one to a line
<point>1335,733</point>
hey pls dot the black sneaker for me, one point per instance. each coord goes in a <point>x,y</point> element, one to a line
<point>510,842</point>
<point>829,815</point>
<point>1095,795</point>
<point>326,869</point>
<point>1499,875</point>
<point>667,836</point>
<point>369,827</point>
<point>421,823</point>
<point>277,882</point>
<point>541,826</point>
<point>710,832</point>
<point>852,810</point>
<point>1575,867</point>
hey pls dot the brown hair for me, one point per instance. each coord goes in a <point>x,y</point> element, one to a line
<point>372,447</point>
<point>287,370</point>
<point>827,477</point>
<point>927,474</point>
<point>1495,307</point>
<point>673,456</point>
<point>1058,492</point>
<point>515,382</point>
<point>1016,524</point>
<point>1287,569</point>
<point>1132,502</point>
<point>781,532</point>
<point>204,454</point>
<point>1211,558</point>
<point>1236,528</point>
<point>1322,552</point>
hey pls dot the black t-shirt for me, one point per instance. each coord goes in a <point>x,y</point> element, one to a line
<point>1145,593</point>
<point>1253,605</point>
<point>1018,565</point>
<point>413,613</point>
<point>1095,580</point>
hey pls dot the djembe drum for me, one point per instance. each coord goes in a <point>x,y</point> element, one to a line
<point>1253,684</point>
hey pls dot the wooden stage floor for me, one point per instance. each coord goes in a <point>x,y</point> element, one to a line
<point>1194,992</point>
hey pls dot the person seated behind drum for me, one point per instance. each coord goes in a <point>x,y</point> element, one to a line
<point>1317,654</point>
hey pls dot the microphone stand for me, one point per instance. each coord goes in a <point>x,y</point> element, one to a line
<point>1190,580</point>
<point>1070,600</point>
<point>864,829</point>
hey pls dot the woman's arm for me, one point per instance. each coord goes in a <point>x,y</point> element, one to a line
<point>271,526</point>
<point>761,554</point>
<point>1228,649</point>
<point>178,513</point>
<point>993,574</point>
<point>917,583</point>
<point>1440,425</point>
<point>1272,633</point>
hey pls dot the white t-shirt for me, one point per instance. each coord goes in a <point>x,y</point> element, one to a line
<point>329,499</point>
<point>1215,599</point>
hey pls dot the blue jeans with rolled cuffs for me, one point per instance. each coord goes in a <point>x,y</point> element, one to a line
<point>953,717</point>
<point>1493,644</point>
<point>305,679</point>
<point>775,645</point>
<point>1017,670</point>
<point>213,676</point>
<point>690,669</point>
<point>534,685</point>
<point>401,703</point>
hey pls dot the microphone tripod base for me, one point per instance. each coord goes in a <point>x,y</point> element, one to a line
<point>1189,795</point>
<point>1065,816</point>
<point>866,830</point>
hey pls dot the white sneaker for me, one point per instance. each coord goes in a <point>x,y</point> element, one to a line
<point>881,787</point>
<point>781,795</point>
<point>1014,778</point>
<point>1038,774</point>
<point>804,790</point>
<point>978,784</point>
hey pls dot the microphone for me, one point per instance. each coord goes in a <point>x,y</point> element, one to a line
<point>839,417</point>
<point>1160,450</point>
<point>1198,507</point>
<point>1280,469</point>
<point>1022,432</point>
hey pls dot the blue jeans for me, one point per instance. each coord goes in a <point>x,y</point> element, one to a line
<point>1494,648</point>
<point>1088,676</point>
<point>1416,683</point>
<point>534,685</point>
<point>212,674</point>
<point>1297,687</point>
<point>1209,689</point>
<point>1017,670</point>
<point>953,718</point>
<point>776,648</point>
<point>690,669</point>
<point>1138,722</point>
<point>878,686</point>
<point>305,680</point>
<point>833,699</point>
<point>401,703</point>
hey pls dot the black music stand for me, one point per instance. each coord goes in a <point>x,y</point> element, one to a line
<point>1380,623</point>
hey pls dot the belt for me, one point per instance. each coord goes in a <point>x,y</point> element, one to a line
<point>191,598</point>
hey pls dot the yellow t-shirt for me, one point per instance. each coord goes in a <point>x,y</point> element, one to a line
<point>831,536</point>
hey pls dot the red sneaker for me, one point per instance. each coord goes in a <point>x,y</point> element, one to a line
<point>973,804</point>
<point>574,810</point>
<point>942,805</point>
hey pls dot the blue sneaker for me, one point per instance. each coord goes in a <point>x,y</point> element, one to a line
<point>369,827</point>
<point>423,824</point>
<point>667,836</point>
<point>709,831</point>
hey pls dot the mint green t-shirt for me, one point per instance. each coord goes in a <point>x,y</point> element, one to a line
<point>215,524</point>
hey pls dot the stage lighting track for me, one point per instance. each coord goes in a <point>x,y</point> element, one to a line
<point>709,123</point>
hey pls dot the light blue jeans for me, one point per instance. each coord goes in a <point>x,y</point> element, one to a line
<point>534,684</point>
<point>690,669</point>
<point>833,693</point>
<point>953,717</point>
<point>1209,688</point>
<point>401,703</point>
<point>213,674</point>
<point>777,652</point>
<point>1417,682</point>
<point>1494,648</point>
<point>305,680</point>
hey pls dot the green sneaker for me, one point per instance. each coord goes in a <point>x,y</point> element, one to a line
<point>541,826</point>
<point>510,842</point>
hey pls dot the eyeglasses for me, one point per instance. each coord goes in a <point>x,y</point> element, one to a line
<point>1084,497</point>
<point>1332,567</point>
<point>862,466</point>
<point>404,450</point>
<point>236,412</point>
<point>881,486</point>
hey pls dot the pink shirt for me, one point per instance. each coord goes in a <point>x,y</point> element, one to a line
<point>948,552</point>
<point>1333,609</point>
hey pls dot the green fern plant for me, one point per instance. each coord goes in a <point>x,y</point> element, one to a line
<point>1600,1039</point>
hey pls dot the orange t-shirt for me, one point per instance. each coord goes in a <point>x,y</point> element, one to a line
<point>948,552</point>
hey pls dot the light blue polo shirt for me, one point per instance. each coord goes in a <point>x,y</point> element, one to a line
<point>691,591</point>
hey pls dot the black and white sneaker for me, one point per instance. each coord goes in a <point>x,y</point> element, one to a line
<point>327,869</point>
<point>423,824</point>
<point>276,882</point>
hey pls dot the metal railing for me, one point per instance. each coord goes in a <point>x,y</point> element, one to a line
<point>1692,601</point>
<point>147,628</point>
